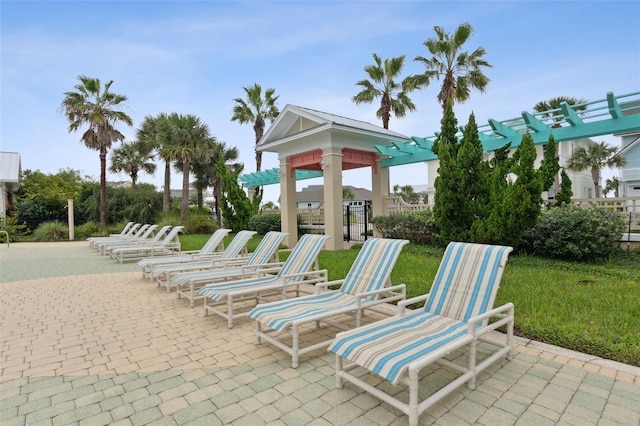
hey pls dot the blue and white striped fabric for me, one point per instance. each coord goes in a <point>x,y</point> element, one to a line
<point>300,260</point>
<point>263,253</point>
<point>370,271</point>
<point>234,248</point>
<point>465,285</point>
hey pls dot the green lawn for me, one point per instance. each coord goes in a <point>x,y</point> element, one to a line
<point>591,308</point>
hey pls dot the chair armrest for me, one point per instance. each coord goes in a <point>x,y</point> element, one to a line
<point>403,304</point>
<point>320,276</point>
<point>324,286</point>
<point>504,312</point>
<point>400,288</point>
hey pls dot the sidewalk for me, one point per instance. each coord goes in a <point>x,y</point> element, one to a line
<point>84,340</point>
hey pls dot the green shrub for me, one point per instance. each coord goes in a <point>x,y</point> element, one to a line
<point>576,234</point>
<point>264,223</point>
<point>51,231</point>
<point>91,229</point>
<point>418,227</point>
<point>199,224</point>
<point>13,227</point>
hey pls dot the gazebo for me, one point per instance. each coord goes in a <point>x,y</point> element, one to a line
<point>312,143</point>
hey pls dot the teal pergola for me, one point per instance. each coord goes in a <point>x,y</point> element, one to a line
<point>611,115</point>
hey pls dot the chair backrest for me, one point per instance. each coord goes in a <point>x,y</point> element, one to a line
<point>467,280</point>
<point>267,248</point>
<point>148,232</point>
<point>372,268</point>
<point>171,235</point>
<point>214,241</point>
<point>236,245</point>
<point>126,228</point>
<point>133,229</point>
<point>161,233</point>
<point>141,230</point>
<point>303,255</point>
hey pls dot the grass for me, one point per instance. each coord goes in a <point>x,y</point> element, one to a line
<point>591,308</point>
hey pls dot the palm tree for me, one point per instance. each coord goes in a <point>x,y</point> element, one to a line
<point>189,142</point>
<point>256,109</point>
<point>460,71</point>
<point>154,132</point>
<point>595,156</point>
<point>393,95</point>
<point>206,173</point>
<point>93,105</point>
<point>554,104</point>
<point>133,158</point>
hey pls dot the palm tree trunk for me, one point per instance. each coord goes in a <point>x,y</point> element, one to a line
<point>103,188</point>
<point>184,211</point>
<point>166,197</point>
<point>595,175</point>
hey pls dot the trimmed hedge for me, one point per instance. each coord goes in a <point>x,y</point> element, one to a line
<point>574,233</point>
<point>417,227</point>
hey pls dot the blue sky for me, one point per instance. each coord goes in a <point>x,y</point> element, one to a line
<point>195,57</point>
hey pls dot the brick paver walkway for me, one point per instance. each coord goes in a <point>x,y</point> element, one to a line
<point>100,349</point>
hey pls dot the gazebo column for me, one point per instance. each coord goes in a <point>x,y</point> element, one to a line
<point>288,204</point>
<point>380,189</point>
<point>333,210</point>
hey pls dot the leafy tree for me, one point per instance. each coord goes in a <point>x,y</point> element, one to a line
<point>460,71</point>
<point>189,142</point>
<point>612,185</point>
<point>383,85</point>
<point>255,109</point>
<point>43,197</point>
<point>236,207</point>
<point>133,158</point>
<point>407,193</point>
<point>154,132</point>
<point>563,197</point>
<point>596,157</point>
<point>98,108</point>
<point>347,193</point>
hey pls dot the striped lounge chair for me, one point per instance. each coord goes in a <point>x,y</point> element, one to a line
<point>364,287</point>
<point>134,232</point>
<point>147,233</point>
<point>265,256</point>
<point>296,271</point>
<point>125,231</point>
<point>213,244</point>
<point>236,250</point>
<point>455,316</point>
<point>169,244</point>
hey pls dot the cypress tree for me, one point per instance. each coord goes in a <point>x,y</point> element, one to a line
<point>474,176</point>
<point>519,207</point>
<point>550,166</point>
<point>448,196</point>
<point>564,196</point>
<point>236,207</point>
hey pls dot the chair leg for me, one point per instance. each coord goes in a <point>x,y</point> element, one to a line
<point>258,330</point>
<point>294,345</point>
<point>472,365</point>
<point>339,382</point>
<point>230,311</point>
<point>413,397</point>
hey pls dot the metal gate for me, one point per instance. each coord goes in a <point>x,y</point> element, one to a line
<point>356,222</point>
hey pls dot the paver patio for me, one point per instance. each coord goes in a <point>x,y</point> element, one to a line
<point>85,341</point>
